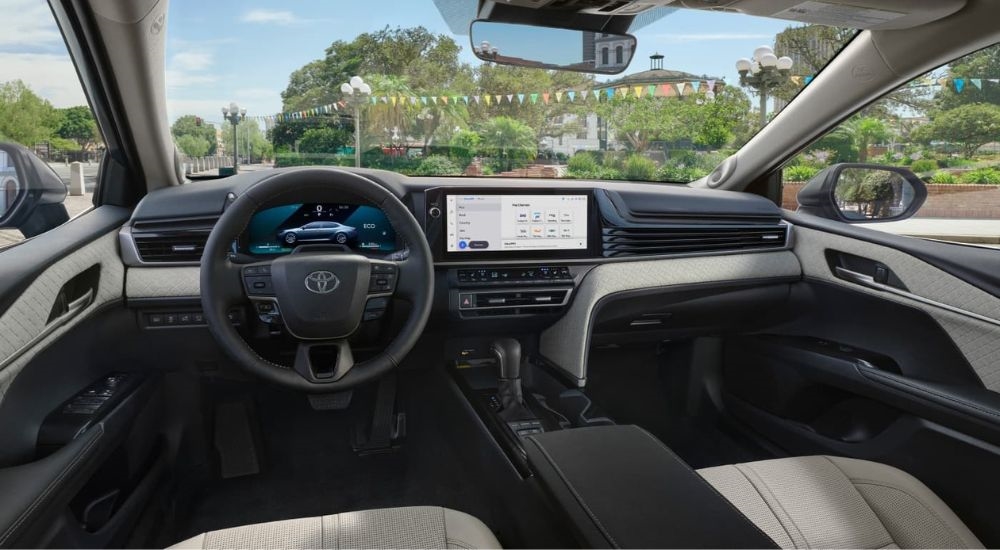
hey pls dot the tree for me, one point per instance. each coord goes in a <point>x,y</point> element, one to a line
<point>251,140</point>
<point>192,146</point>
<point>982,64</point>
<point>325,141</point>
<point>286,133</point>
<point>203,134</point>
<point>25,117</point>
<point>969,126</point>
<point>867,131</point>
<point>77,123</point>
<point>716,123</point>
<point>509,140</point>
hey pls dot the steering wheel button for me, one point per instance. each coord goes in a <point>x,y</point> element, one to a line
<point>252,270</point>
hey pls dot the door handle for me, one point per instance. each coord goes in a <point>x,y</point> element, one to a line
<point>870,282</point>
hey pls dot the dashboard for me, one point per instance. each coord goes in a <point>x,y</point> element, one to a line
<point>279,229</point>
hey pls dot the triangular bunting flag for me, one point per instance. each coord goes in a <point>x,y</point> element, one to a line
<point>711,85</point>
<point>807,79</point>
<point>476,99</point>
<point>520,98</point>
<point>610,93</point>
<point>488,98</point>
<point>797,80</point>
<point>651,90</point>
<point>434,98</point>
<point>444,99</point>
<point>977,82</point>
<point>695,85</point>
<point>393,101</point>
<point>496,98</point>
<point>510,98</point>
<point>534,98</point>
<point>423,99</point>
<point>545,98</point>
<point>680,88</point>
<point>465,98</point>
<point>597,95</point>
<point>559,96</point>
<point>959,84</point>
<point>638,91</point>
<point>572,95</point>
<point>667,90</point>
<point>454,99</point>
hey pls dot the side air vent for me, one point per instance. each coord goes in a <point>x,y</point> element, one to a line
<point>691,238</point>
<point>173,241</point>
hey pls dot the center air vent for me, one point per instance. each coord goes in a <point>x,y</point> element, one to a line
<point>690,238</point>
<point>172,241</point>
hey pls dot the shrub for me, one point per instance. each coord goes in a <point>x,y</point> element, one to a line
<point>943,177</point>
<point>640,168</point>
<point>923,165</point>
<point>799,173</point>
<point>982,175</point>
<point>680,174</point>
<point>582,163</point>
<point>437,165</point>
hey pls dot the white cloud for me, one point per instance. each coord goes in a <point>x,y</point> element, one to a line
<point>190,68</point>
<point>191,61</point>
<point>682,38</point>
<point>269,16</point>
<point>51,76</point>
<point>28,23</point>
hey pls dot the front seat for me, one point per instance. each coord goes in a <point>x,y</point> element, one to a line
<point>413,527</point>
<point>835,502</point>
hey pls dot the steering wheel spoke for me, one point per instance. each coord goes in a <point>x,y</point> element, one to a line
<point>323,362</point>
<point>411,281</point>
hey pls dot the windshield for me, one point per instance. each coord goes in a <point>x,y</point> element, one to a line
<point>396,85</point>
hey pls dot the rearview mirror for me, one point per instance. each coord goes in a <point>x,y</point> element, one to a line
<point>863,193</point>
<point>551,48</point>
<point>31,193</point>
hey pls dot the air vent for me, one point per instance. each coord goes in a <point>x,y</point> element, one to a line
<point>181,241</point>
<point>680,239</point>
<point>492,303</point>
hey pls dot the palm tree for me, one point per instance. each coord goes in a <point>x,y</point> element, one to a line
<point>508,139</point>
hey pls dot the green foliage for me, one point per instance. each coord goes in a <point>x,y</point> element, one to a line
<point>248,134</point>
<point>680,174</point>
<point>983,175</point>
<point>323,140</point>
<point>582,163</point>
<point>871,190</point>
<point>509,140</point>
<point>924,165</point>
<point>285,133</point>
<point>464,145</point>
<point>799,173</point>
<point>193,139</point>
<point>639,168</point>
<point>944,177</point>
<point>25,117</point>
<point>437,165</point>
<point>77,123</point>
<point>192,146</point>
<point>63,144</point>
<point>282,160</point>
<point>969,126</point>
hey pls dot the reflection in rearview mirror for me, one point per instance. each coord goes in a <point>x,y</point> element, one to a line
<point>872,194</point>
<point>9,183</point>
<point>551,48</point>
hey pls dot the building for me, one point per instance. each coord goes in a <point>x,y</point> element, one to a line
<point>610,52</point>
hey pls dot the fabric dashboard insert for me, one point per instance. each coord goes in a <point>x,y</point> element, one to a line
<point>362,228</point>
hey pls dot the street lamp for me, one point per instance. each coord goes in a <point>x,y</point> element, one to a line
<point>234,114</point>
<point>356,93</point>
<point>486,51</point>
<point>764,72</point>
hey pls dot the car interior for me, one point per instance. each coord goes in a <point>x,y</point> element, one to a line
<point>322,357</point>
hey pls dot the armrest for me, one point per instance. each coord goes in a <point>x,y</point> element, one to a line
<point>622,488</point>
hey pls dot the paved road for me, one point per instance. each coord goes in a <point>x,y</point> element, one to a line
<point>89,173</point>
<point>982,232</point>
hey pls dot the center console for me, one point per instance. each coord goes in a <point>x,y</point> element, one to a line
<point>620,487</point>
<point>503,248</point>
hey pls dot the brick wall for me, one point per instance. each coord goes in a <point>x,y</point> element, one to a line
<point>943,201</point>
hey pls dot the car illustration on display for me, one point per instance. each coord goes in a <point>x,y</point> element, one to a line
<point>318,231</point>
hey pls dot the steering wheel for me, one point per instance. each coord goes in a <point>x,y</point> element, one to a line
<point>320,292</point>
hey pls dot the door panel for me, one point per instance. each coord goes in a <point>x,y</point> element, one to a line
<point>26,327</point>
<point>978,340</point>
<point>891,354</point>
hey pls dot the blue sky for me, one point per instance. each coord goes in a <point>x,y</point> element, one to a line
<point>222,51</point>
<point>237,50</point>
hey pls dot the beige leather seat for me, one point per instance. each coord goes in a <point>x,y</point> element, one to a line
<point>833,502</point>
<point>415,527</point>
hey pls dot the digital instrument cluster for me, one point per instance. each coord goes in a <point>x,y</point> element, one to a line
<point>362,228</point>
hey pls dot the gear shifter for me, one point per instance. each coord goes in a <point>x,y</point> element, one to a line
<point>508,354</point>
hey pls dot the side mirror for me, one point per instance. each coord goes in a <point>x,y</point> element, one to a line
<point>863,193</point>
<point>31,193</point>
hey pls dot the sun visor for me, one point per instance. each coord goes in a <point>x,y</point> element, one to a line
<point>855,14</point>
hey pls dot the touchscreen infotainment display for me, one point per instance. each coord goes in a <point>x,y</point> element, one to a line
<point>498,223</point>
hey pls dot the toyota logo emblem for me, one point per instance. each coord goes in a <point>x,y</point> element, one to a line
<point>322,282</point>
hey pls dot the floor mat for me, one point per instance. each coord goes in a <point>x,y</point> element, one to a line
<point>309,468</point>
<point>634,387</point>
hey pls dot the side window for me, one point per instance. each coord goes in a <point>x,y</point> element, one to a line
<point>50,147</point>
<point>944,127</point>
